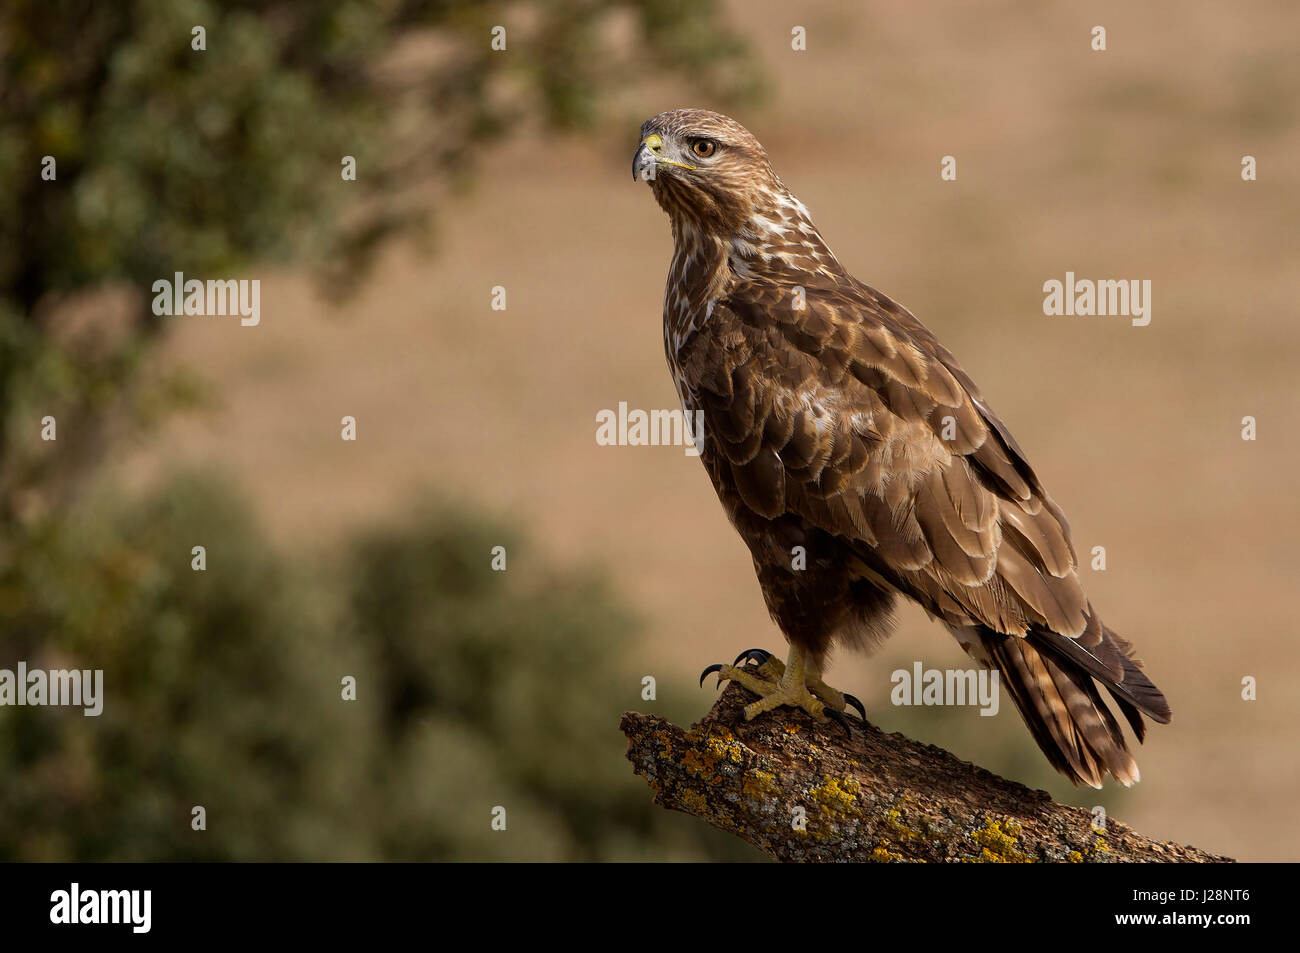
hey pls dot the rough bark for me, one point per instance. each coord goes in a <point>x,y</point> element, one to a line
<point>869,797</point>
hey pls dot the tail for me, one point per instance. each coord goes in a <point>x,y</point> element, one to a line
<point>1050,677</point>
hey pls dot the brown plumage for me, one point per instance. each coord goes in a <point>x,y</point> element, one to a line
<point>836,422</point>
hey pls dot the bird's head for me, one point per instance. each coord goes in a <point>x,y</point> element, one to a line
<point>705,168</point>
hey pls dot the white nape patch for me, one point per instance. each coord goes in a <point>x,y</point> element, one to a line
<point>787,200</point>
<point>765,225</point>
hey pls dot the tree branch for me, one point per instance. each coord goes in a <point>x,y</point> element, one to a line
<point>872,797</point>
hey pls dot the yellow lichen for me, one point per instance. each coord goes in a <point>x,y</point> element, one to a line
<point>997,842</point>
<point>719,746</point>
<point>836,795</point>
<point>698,765</point>
<point>759,785</point>
<point>665,745</point>
<point>694,802</point>
<point>894,824</point>
<point>899,833</point>
<point>725,748</point>
<point>1091,854</point>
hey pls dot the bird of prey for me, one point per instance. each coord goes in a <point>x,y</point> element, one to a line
<point>859,462</point>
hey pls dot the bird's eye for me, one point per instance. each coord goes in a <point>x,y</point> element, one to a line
<point>704,148</point>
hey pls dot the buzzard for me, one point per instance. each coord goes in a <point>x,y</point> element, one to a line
<point>859,462</point>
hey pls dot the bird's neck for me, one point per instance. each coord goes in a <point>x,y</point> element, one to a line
<point>777,244</point>
<point>700,270</point>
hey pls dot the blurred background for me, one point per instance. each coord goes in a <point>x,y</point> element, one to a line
<point>480,168</point>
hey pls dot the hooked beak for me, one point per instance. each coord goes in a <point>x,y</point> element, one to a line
<point>643,162</point>
<point>649,156</point>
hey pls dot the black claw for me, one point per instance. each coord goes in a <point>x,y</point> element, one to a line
<point>840,720</point>
<point>753,655</point>
<point>715,667</point>
<point>853,702</point>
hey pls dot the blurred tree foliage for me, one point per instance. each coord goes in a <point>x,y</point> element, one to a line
<point>224,686</point>
<point>223,689</point>
<point>174,159</point>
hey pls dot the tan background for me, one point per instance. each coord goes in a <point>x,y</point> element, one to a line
<point>1123,164</point>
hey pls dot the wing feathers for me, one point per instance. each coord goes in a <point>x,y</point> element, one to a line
<point>849,415</point>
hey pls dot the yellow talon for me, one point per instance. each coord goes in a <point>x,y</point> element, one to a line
<point>795,683</point>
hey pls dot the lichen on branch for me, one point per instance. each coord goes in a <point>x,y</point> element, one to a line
<point>802,791</point>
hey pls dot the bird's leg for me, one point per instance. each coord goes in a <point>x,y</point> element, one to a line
<point>796,683</point>
<point>790,689</point>
<point>832,697</point>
